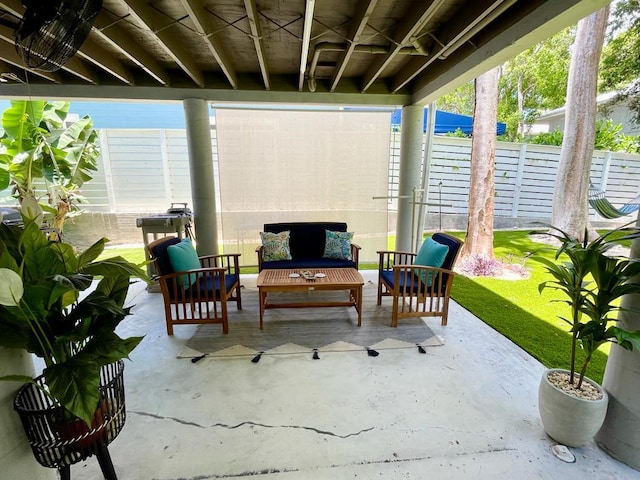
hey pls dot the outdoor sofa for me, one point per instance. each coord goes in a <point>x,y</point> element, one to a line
<point>307,246</point>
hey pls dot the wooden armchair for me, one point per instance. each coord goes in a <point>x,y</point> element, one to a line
<point>204,300</point>
<point>417,290</point>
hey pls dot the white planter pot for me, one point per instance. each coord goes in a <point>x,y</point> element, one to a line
<point>569,420</point>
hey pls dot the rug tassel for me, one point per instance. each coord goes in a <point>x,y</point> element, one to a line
<point>315,354</point>
<point>372,353</point>
<point>197,359</point>
<point>256,359</point>
<point>421,349</point>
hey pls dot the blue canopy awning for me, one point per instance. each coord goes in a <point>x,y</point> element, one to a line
<point>447,122</point>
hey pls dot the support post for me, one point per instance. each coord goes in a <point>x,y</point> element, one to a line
<point>426,171</point>
<point>409,181</point>
<point>620,433</point>
<point>203,191</point>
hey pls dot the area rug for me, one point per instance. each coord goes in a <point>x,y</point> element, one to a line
<point>309,330</point>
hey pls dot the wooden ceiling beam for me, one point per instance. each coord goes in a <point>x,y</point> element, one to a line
<point>89,51</point>
<point>356,27</point>
<point>10,56</point>
<point>110,32</point>
<point>408,27</point>
<point>202,20</point>
<point>453,36</point>
<point>73,66</point>
<point>258,42</point>
<point>160,27</point>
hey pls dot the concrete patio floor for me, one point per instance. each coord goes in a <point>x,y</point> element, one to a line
<point>466,409</point>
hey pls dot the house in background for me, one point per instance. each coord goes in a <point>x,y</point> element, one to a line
<point>619,114</point>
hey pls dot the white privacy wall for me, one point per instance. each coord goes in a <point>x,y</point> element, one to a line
<point>312,166</point>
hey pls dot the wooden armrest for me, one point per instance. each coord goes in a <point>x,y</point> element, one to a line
<point>421,267</point>
<point>227,261</point>
<point>194,270</point>
<point>388,257</point>
<point>398,252</point>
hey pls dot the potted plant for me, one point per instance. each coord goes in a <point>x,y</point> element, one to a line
<point>572,406</point>
<point>64,307</point>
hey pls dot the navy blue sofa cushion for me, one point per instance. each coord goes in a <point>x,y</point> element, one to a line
<point>310,263</point>
<point>306,243</point>
<point>307,238</point>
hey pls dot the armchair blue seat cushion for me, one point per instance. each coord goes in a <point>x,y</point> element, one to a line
<point>206,287</point>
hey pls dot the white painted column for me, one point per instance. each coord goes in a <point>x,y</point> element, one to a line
<point>203,189</point>
<point>16,458</point>
<point>426,171</point>
<point>620,433</point>
<point>409,175</point>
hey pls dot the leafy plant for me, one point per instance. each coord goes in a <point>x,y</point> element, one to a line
<point>48,308</point>
<point>43,159</point>
<point>594,281</point>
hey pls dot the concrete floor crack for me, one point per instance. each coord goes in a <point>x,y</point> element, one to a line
<point>250,423</point>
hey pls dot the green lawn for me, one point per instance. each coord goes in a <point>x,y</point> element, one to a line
<point>512,307</point>
<point>518,311</point>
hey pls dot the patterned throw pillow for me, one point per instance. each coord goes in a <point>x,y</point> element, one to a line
<point>275,246</point>
<point>337,245</point>
<point>431,254</point>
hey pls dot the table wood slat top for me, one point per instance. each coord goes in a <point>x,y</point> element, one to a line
<point>333,276</point>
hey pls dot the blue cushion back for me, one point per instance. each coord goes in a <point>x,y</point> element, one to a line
<point>307,238</point>
<point>454,245</point>
<point>160,252</point>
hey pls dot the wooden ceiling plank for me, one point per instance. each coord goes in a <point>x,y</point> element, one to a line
<point>157,24</point>
<point>95,54</point>
<point>358,23</point>
<point>408,27</point>
<point>202,20</point>
<point>258,42</point>
<point>123,42</point>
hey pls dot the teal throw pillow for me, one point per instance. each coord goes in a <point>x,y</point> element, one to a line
<point>431,254</point>
<point>275,246</point>
<point>183,256</point>
<point>337,245</point>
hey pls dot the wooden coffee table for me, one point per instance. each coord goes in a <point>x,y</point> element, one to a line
<point>333,279</point>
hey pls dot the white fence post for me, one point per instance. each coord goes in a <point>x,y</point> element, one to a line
<point>518,184</point>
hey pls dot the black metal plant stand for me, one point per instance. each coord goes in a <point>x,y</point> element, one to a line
<point>58,441</point>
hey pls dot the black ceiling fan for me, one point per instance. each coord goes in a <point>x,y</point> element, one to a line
<point>51,31</point>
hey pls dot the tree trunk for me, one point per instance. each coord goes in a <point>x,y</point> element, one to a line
<point>479,238</point>
<point>570,196</point>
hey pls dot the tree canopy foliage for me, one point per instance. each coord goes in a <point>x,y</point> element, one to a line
<point>620,62</point>
<point>534,81</point>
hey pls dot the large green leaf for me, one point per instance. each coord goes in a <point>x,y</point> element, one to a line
<point>20,117</point>
<point>5,178</point>
<point>109,347</point>
<point>75,384</point>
